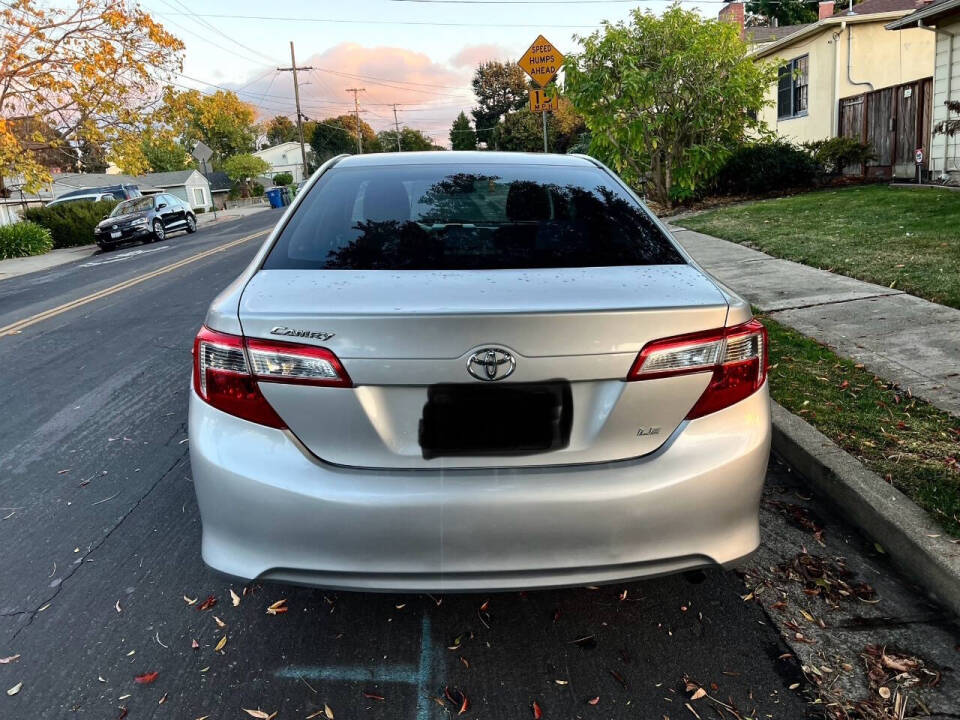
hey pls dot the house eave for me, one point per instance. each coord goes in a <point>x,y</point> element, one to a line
<point>935,12</point>
<point>823,25</point>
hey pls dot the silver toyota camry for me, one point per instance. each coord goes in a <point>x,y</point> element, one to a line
<point>472,371</point>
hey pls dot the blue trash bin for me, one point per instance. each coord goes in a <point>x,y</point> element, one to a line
<point>275,197</point>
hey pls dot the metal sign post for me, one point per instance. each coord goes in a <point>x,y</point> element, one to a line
<point>203,153</point>
<point>541,62</point>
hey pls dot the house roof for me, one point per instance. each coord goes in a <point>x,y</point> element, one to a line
<point>171,178</point>
<point>219,181</point>
<point>929,12</point>
<point>871,7</point>
<point>765,34</point>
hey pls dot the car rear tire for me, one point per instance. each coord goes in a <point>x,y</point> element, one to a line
<point>191,224</point>
<point>159,233</point>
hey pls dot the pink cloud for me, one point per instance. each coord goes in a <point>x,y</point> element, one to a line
<point>472,55</point>
<point>429,94</point>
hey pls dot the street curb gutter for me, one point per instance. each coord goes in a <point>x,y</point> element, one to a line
<point>881,511</point>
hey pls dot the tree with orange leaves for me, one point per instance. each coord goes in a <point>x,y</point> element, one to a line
<point>88,73</point>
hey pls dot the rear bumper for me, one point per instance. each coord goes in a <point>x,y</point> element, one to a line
<point>272,511</point>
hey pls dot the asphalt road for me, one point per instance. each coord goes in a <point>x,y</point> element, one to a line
<point>101,579</point>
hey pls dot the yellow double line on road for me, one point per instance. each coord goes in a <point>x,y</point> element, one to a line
<point>52,312</point>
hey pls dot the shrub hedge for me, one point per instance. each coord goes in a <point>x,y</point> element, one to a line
<point>766,167</point>
<point>72,223</point>
<point>24,238</point>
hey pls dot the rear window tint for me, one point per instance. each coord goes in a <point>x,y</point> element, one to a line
<point>446,217</point>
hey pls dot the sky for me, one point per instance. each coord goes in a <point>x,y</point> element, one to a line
<point>419,54</point>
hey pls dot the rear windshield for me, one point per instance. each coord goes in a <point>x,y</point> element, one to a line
<point>447,217</point>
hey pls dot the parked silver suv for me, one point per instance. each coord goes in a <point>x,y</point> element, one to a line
<point>465,371</point>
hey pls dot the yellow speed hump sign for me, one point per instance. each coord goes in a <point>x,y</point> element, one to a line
<point>541,61</point>
<point>539,102</point>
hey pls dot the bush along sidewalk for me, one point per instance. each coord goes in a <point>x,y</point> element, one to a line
<point>23,239</point>
<point>71,224</point>
<point>906,441</point>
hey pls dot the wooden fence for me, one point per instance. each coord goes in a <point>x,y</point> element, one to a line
<point>895,121</point>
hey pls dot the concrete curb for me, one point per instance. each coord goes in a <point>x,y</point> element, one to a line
<point>881,511</point>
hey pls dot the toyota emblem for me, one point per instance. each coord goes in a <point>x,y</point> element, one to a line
<point>491,364</point>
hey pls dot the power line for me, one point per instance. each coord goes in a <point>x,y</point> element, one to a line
<point>289,18</point>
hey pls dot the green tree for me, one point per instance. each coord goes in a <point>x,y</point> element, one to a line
<point>243,168</point>
<point>338,135</point>
<point>281,129</point>
<point>221,120</point>
<point>462,135</point>
<point>410,140</point>
<point>164,153</point>
<point>500,88</point>
<point>282,179</point>
<point>667,98</point>
<point>785,12</point>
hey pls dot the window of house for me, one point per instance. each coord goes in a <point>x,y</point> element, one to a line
<point>198,197</point>
<point>792,87</point>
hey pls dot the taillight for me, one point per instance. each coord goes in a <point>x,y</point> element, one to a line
<point>227,368</point>
<point>736,355</point>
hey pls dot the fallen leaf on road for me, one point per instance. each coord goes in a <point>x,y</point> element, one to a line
<point>208,603</point>
<point>220,623</point>
<point>117,606</point>
<point>280,606</point>
<point>689,707</point>
<point>234,597</point>
<point>221,644</point>
<point>884,693</point>
<point>699,693</point>
<point>327,711</point>
<point>593,700</point>
<point>373,696</point>
<point>537,712</point>
<point>561,682</point>
<point>259,714</point>
<point>188,600</point>
<point>194,644</point>
<point>146,678</point>
<point>12,658</point>
<point>15,689</point>
<point>162,699</point>
<point>458,699</point>
<point>123,714</point>
<point>203,717</point>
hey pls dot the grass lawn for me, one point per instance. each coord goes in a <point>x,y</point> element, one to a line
<point>908,442</point>
<point>907,238</point>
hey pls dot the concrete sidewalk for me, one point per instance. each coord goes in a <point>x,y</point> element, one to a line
<point>902,338</point>
<point>12,267</point>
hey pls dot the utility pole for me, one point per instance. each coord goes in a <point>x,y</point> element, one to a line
<point>396,124</point>
<point>356,112</point>
<point>296,94</point>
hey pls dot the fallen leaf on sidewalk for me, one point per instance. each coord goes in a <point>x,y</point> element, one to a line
<point>208,603</point>
<point>15,689</point>
<point>280,606</point>
<point>259,714</point>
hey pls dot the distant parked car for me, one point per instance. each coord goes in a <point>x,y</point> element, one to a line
<point>147,219</point>
<point>89,197</point>
<point>116,192</point>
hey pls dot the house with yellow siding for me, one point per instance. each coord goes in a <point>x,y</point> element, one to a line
<point>845,74</point>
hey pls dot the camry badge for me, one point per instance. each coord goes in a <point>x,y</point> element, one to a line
<point>491,364</point>
<point>291,332</point>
